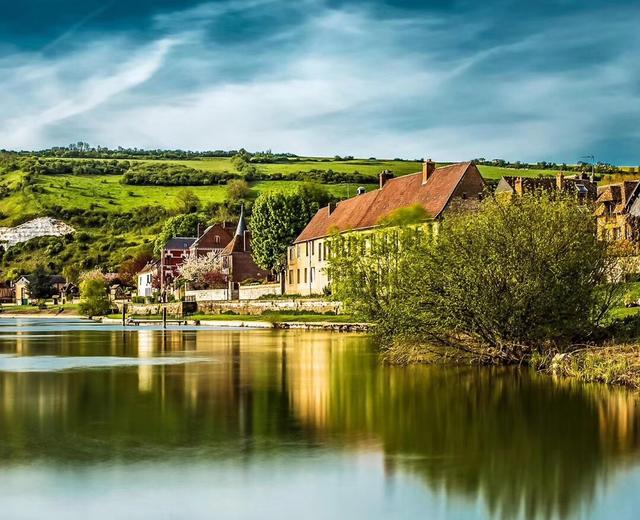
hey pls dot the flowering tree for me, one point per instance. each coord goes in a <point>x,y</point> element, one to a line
<point>203,271</point>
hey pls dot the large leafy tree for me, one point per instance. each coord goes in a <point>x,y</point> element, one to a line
<point>39,283</point>
<point>278,218</point>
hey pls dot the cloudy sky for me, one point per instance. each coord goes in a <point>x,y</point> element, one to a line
<point>536,80</point>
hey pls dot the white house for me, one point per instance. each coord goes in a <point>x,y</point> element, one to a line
<point>146,279</point>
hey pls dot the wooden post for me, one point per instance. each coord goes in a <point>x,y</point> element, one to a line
<point>124,314</point>
<point>164,317</point>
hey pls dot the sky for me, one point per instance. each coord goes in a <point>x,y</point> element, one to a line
<point>518,80</point>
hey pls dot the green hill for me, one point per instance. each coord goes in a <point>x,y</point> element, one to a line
<point>117,221</point>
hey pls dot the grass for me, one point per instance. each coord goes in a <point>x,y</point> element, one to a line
<point>105,192</point>
<point>67,308</point>
<point>616,365</point>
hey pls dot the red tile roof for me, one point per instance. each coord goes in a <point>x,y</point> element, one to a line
<point>366,211</point>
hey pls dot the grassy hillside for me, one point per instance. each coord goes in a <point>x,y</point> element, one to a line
<point>117,221</point>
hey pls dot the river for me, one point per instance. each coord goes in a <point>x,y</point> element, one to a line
<point>97,422</point>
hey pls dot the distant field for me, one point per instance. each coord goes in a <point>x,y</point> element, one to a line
<point>105,192</point>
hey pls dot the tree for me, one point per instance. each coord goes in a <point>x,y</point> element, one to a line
<point>94,300</point>
<point>238,190</point>
<point>129,269</point>
<point>39,283</point>
<point>187,201</point>
<point>199,270</point>
<point>178,226</point>
<point>71,272</point>
<point>501,283</point>
<point>277,218</point>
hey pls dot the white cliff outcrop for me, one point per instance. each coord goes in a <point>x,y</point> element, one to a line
<point>39,227</point>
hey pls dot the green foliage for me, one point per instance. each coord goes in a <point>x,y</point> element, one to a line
<point>187,202</point>
<point>169,174</point>
<point>94,300</point>
<point>511,278</point>
<point>39,284</point>
<point>278,218</point>
<point>238,190</point>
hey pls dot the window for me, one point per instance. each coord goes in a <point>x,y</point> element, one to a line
<point>464,195</point>
<point>306,249</point>
<point>313,248</point>
<point>291,253</point>
<point>305,275</point>
<point>320,251</point>
<point>298,275</point>
<point>298,251</point>
<point>313,274</point>
<point>290,276</point>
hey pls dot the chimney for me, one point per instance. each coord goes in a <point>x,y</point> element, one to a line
<point>245,240</point>
<point>428,167</point>
<point>331,207</point>
<point>385,175</point>
<point>560,181</point>
<point>518,186</point>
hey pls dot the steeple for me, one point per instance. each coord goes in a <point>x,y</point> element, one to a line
<point>242,225</point>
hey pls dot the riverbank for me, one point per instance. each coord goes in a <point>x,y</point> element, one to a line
<point>250,322</point>
<point>614,365</point>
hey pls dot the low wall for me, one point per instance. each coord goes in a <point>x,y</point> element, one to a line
<point>147,309</point>
<point>253,292</point>
<point>208,295</point>
<point>257,307</point>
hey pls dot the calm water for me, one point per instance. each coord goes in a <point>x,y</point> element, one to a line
<point>100,423</point>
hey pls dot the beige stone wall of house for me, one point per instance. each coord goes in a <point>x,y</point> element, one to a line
<point>613,227</point>
<point>306,270</point>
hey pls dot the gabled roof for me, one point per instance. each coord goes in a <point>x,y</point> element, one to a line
<point>366,211</point>
<point>623,195</point>
<point>180,243</point>
<point>149,267</point>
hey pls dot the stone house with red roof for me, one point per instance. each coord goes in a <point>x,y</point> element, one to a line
<point>618,211</point>
<point>435,189</point>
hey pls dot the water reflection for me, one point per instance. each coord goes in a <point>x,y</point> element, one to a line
<point>523,444</point>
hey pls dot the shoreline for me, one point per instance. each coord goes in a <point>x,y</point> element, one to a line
<point>253,324</point>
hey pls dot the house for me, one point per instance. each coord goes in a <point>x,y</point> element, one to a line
<point>69,293</point>
<point>148,279</point>
<point>214,239</point>
<point>173,255</point>
<point>618,211</point>
<point>435,189</point>
<point>580,185</point>
<point>237,262</point>
<point>21,286</point>
<point>7,293</point>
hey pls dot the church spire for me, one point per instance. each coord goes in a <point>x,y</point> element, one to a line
<point>242,225</point>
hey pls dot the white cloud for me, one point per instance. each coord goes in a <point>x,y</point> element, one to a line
<point>341,81</point>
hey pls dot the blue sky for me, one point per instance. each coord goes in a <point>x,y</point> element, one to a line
<point>543,80</point>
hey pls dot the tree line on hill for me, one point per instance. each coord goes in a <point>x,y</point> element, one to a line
<point>600,167</point>
<point>168,174</point>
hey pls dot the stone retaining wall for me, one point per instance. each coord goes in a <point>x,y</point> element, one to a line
<point>257,307</point>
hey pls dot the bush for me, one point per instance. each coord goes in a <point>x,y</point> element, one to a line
<point>93,293</point>
<point>503,282</point>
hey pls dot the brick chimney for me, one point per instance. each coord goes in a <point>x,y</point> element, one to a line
<point>428,167</point>
<point>385,175</point>
<point>560,181</point>
<point>331,207</point>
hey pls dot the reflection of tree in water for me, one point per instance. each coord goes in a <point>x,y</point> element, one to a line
<point>523,443</point>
